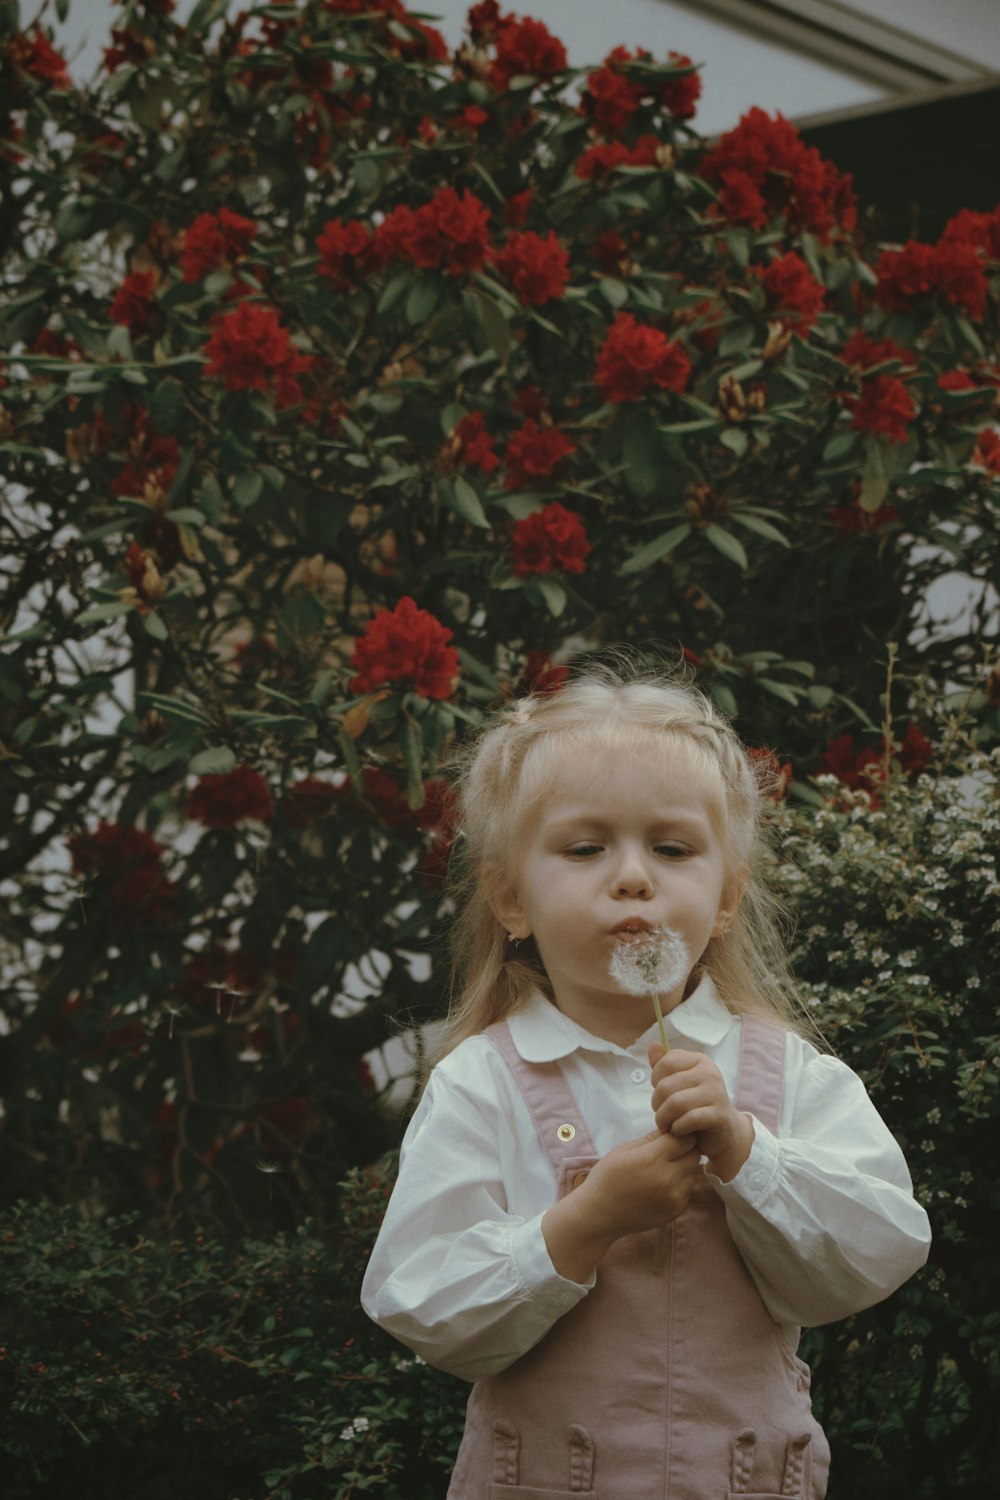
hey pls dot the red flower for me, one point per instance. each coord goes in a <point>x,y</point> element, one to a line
<point>971,228</point>
<point>215,240</point>
<point>610,98</point>
<point>986,454</point>
<point>223,801</point>
<point>130,46</point>
<point>611,253</point>
<point>250,351</point>
<point>789,177</point>
<point>346,252</point>
<point>153,459</point>
<point>600,161</point>
<point>635,357</point>
<point>551,538</point>
<point>851,520</point>
<point>681,95</point>
<point>884,407</point>
<point>135,304</point>
<point>406,646</point>
<point>792,290</point>
<point>741,199</point>
<point>914,752</point>
<point>309,800</point>
<point>33,53</point>
<point>472,119</point>
<point>956,380</point>
<point>483,21</point>
<point>474,443</point>
<point>536,268</point>
<point>125,866</point>
<point>519,206</point>
<point>535,453</point>
<point>525,48</point>
<point>862,352</point>
<point>539,675</point>
<point>952,269</point>
<point>448,232</point>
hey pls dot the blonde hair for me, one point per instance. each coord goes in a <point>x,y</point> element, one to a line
<point>506,770</point>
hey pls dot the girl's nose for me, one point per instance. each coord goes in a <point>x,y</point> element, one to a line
<point>632,879</point>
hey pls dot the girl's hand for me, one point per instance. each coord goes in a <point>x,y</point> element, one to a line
<point>641,1184</point>
<point>690,1099</point>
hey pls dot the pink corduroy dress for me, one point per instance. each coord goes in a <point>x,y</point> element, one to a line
<point>670,1380</point>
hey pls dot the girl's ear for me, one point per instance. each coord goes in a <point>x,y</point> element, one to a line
<point>504,902</point>
<point>732,895</point>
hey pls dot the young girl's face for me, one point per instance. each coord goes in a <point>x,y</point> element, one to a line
<point>621,843</point>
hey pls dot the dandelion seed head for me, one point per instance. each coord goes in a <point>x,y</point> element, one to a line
<point>652,964</point>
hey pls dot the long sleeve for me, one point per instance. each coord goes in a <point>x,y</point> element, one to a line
<point>455,1274</point>
<point>825,1217</point>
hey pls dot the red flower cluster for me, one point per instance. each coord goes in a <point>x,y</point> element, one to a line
<point>635,357</point>
<point>537,268</point>
<point>472,443</point>
<point>215,240</point>
<point>346,252</point>
<point>612,95</point>
<point>250,351</point>
<point>852,520</point>
<point>978,229</point>
<point>525,48</point>
<point>449,232</point>
<point>600,161</point>
<point>309,800</point>
<point>128,46</point>
<point>884,407</point>
<point>763,168</point>
<point>135,305</point>
<point>552,538</point>
<point>223,801</point>
<point>126,869</point>
<point>986,454</point>
<point>408,647</point>
<point>864,768</point>
<point>862,353</point>
<point>31,52</point>
<point>951,269</point>
<point>534,453</point>
<point>793,292</point>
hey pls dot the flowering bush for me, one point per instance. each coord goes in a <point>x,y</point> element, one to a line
<point>345,382</point>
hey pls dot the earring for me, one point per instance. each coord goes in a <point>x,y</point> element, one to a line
<point>515,940</point>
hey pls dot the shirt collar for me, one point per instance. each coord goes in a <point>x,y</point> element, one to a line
<point>541,1033</point>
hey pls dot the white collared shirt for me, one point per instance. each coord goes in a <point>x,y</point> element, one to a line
<point>822,1212</point>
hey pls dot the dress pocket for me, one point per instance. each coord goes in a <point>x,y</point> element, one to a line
<point>506,1467</point>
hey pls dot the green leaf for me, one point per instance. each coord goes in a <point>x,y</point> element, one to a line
<point>422,300</point>
<point>779,690</point>
<point>723,541</point>
<point>98,613</point>
<point>760,526</point>
<point>166,406</point>
<point>394,291</point>
<point>247,488</point>
<point>156,626</point>
<point>467,502</point>
<point>552,592</point>
<point>413,759</point>
<point>204,16</point>
<point>839,446</point>
<point>492,322</point>
<point>819,695</point>
<point>874,488</point>
<point>174,709</point>
<point>653,551</point>
<point>736,440</point>
<point>614,292</point>
<point>724,697</point>
<point>218,761</point>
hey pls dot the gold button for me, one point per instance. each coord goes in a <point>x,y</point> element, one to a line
<point>580,1179</point>
<point>566,1132</point>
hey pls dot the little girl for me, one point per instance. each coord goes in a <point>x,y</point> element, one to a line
<point>619,1244</point>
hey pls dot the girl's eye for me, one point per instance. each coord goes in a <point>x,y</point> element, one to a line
<point>584,850</point>
<point>672,851</point>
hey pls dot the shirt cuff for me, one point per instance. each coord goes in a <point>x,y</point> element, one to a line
<point>538,1276</point>
<point>756,1179</point>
